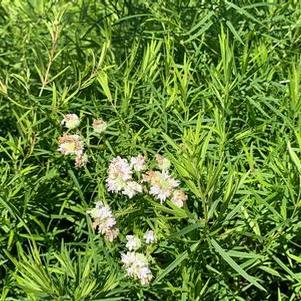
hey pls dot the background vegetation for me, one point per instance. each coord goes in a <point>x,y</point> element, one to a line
<point>213,85</point>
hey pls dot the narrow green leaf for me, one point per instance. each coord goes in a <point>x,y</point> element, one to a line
<point>294,157</point>
<point>180,258</point>
<point>234,265</point>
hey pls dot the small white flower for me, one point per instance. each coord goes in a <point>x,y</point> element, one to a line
<point>104,221</point>
<point>111,234</point>
<point>161,184</point>
<point>138,163</point>
<point>163,163</point>
<point>179,197</point>
<point>70,121</point>
<point>119,173</point>
<point>100,211</point>
<point>149,236</point>
<point>131,189</point>
<point>145,275</point>
<point>71,145</point>
<point>137,266</point>
<point>133,242</point>
<point>99,125</point>
<point>115,184</point>
<point>128,259</point>
<point>81,160</point>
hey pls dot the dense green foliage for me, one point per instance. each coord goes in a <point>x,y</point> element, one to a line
<point>214,85</point>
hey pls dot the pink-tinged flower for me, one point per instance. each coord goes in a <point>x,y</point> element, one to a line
<point>71,145</point>
<point>149,236</point>
<point>115,184</point>
<point>138,163</point>
<point>70,121</point>
<point>133,242</point>
<point>179,197</point>
<point>111,234</point>
<point>163,163</point>
<point>161,184</point>
<point>149,176</point>
<point>145,275</point>
<point>131,189</point>
<point>119,173</point>
<point>99,125</point>
<point>81,160</point>
<point>104,221</point>
<point>137,267</point>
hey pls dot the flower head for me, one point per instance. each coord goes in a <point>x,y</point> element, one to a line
<point>104,221</point>
<point>81,160</point>
<point>131,188</point>
<point>145,275</point>
<point>161,184</point>
<point>99,125</point>
<point>119,173</point>
<point>136,265</point>
<point>71,145</point>
<point>138,163</point>
<point>70,121</point>
<point>179,197</point>
<point>133,242</point>
<point>163,163</point>
<point>149,236</point>
<point>111,234</point>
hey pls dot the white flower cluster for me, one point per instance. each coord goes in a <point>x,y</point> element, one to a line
<point>99,126</point>
<point>128,177</point>
<point>134,242</point>
<point>161,184</point>
<point>70,121</point>
<point>104,221</point>
<point>135,263</point>
<point>149,237</point>
<point>73,144</point>
<point>120,176</point>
